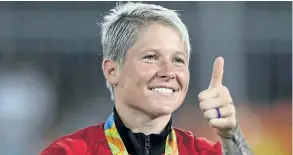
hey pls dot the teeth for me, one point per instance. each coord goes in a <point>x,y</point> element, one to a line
<point>163,90</point>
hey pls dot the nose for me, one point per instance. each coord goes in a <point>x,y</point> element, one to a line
<point>166,71</point>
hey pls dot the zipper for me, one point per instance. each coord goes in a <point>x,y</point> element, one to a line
<point>147,145</point>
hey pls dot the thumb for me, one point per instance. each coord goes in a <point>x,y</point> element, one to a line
<point>218,72</point>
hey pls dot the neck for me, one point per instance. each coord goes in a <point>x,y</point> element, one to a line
<point>139,122</point>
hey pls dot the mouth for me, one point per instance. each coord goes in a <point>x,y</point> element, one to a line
<point>164,90</point>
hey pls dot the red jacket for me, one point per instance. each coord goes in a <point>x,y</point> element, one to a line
<point>92,141</point>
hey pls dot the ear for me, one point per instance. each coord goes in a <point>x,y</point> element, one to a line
<point>110,69</point>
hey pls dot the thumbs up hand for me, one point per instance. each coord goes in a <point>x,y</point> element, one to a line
<point>216,103</point>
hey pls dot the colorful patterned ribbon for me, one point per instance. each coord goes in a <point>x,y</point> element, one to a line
<point>117,146</point>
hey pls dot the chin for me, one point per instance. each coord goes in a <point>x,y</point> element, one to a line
<point>160,109</point>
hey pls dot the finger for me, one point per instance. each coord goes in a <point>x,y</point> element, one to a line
<point>223,123</point>
<point>214,98</point>
<point>224,95</point>
<point>224,111</point>
<point>208,94</point>
<point>211,103</point>
<point>218,72</point>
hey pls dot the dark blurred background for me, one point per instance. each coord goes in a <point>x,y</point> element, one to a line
<point>51,82</point>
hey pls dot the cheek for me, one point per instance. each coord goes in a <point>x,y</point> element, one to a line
<point>126,76</point>
<point>183,76</point>
<point>137,74</point>
<point>146,71</point>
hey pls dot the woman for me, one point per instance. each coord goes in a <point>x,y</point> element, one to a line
<point>146,53</point>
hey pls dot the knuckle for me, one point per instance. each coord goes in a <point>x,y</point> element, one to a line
<point>206,115</point>
<point>217,103</point>
<point>231,108</point>
<point>201,105</point>
<point>222,102</point>
<point>212,122</point>
<point>201,95</point>
<point>232,122</point>
<point>230,100</point>
<point>225,89</point>
<point>209,114</point>
<point>226,100</point>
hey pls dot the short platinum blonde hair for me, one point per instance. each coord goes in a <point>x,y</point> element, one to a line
<point>122,25</point>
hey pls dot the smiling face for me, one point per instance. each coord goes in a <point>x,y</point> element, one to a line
<point>154,77</point>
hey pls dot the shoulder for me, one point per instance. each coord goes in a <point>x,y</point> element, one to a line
<point>77,143</point>
<point>189,142</point>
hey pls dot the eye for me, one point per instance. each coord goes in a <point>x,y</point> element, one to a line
<point>150,57</point>
<point>179,60</point>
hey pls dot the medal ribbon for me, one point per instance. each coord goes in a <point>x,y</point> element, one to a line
<point>117,146</point>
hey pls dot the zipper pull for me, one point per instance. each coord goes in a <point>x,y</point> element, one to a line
<point>147,145</point>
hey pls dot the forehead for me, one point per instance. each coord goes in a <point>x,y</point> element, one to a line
<point>160,37</point>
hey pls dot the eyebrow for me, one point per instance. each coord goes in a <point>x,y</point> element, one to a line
<point>181,53</point>
<point>158,51</point>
